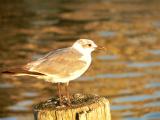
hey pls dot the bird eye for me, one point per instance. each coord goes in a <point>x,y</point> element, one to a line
<point>89,45</point>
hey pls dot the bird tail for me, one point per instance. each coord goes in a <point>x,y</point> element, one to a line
<point>21,71</point>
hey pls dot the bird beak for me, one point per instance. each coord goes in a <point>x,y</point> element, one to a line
<point>101,48</point>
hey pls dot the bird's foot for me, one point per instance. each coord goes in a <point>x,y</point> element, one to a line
<point>59,102</point>
<point>68,104</point>
<point>66,101</point>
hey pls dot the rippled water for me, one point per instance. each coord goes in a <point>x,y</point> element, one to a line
<point>128,74</point>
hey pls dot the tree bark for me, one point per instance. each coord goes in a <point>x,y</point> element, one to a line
<point>83,107</point>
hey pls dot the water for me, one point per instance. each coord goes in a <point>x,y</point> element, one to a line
<point>21,106</point>
<point>128,74</point>
<point>155,52</point>
<point>6,85</point>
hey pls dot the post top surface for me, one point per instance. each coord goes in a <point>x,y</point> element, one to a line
<point>77,100</point>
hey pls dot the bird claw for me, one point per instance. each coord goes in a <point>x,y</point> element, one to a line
<point>63,101</point>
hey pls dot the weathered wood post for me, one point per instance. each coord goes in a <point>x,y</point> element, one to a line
<point>84,107</point>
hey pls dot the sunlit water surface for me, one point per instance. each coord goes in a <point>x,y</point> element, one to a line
<point>128,73</point>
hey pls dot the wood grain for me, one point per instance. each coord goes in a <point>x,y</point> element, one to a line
<point>83,107</point>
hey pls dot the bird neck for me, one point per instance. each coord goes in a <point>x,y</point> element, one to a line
<point>83,51</point>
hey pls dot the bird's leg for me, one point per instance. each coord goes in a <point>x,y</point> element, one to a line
<point>59,93</point>
<point>67,93</point>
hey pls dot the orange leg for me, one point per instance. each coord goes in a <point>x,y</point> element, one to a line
<point>59,93</point>
<point>67,93</point>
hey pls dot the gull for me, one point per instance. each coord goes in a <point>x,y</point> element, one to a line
<point>61,65</point>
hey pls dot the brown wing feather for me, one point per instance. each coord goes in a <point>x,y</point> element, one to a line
<point>15,71</point>
<point>62,62</point>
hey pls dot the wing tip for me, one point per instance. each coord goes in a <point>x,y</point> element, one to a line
<point>25,72</point>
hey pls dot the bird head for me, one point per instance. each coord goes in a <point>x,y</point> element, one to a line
<point>84,45</point>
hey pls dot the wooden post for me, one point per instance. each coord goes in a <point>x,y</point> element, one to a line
<point>83,107</point>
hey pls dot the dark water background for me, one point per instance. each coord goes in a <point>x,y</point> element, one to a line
<point>128,74</point>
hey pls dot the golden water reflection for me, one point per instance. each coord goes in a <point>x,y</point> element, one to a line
<point>128,74</point>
